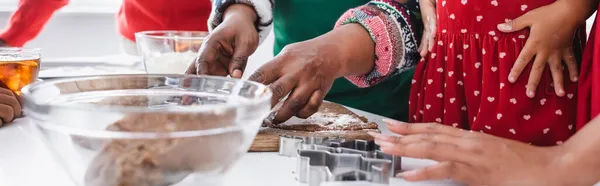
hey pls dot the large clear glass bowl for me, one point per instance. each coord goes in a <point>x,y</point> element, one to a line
<point>168,52</point>
<point>147,130</point>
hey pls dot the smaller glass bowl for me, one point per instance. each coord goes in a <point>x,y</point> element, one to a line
<point>168,52</point>
<point>18,67</point>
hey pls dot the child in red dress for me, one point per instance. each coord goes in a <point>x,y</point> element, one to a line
<point>463,81</point>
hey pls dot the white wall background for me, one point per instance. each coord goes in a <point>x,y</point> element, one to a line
<point>83,28</point>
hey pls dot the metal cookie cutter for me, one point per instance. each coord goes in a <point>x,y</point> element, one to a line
<point>317,166</point>
<point>322,159</point>
<point>289,145</point>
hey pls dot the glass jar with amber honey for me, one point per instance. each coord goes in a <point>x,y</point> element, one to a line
<point>19,67</point>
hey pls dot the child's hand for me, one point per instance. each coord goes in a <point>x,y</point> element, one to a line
<point>550,41</point>
<point>430,21</point>
<point>476,158</point>
<point>9,106</point>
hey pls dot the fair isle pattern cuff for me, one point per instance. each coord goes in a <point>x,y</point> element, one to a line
<point>263,8</point>
<point>396,48</point>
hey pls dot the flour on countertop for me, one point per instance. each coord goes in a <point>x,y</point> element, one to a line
<point>327,120</point>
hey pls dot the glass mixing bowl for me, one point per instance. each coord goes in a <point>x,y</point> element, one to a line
<point>168,52</point>
<point>146,130</point>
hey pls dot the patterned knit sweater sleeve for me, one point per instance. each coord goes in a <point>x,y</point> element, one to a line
<point>391,27</point>
<point>263,8</point>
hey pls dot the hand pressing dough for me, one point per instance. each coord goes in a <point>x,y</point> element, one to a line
<point>332,120</point>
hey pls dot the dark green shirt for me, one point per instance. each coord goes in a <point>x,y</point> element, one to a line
<point>300,20</point>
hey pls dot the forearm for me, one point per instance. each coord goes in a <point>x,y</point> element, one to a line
<point>29,19</point>
<point>357,49</point>
<point>582,152</point>
<point>581,10</point>
<point>393,30</point>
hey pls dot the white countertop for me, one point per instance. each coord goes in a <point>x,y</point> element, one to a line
<point>24,161</point>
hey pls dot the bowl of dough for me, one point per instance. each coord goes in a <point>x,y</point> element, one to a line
<point>146,130</point>
<point>168,52</point>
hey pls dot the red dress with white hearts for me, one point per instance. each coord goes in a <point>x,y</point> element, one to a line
<point>464,83</point>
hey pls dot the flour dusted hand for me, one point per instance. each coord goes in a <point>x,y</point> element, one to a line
<point>430,22</point>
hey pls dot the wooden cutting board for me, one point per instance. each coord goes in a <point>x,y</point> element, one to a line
<point>267,139</point>
<point>332,120</point>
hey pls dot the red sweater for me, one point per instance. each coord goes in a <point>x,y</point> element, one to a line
<point>134,16</point>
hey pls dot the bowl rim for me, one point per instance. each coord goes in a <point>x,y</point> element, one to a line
<point>24,53</point>
<point>19,49</point>
<point>145,34</point>
<point>28,98</point>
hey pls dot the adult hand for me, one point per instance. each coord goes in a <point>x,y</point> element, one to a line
<point>306,70</point>
<point>10,108</point>
<point>550,41</point>
<point>226,50</point>
<point>430,21</point>
<point>479,159</point>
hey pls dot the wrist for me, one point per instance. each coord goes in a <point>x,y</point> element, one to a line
<point>580,10</point>
<point>564,162</point>
<point>240,11</point>
<point>356,49</point>
<point>576,166</point>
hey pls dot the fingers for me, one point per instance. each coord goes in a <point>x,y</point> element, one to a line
<point>418,128</point>
<point>517,24</point>
<point>208,53</point>
<point>12,102</point>
<point>416,138</point>
<point>267,73</point>
<point>9,98</point>
<point>536,74</point>
<point>243,49</point>
<point>423,47</point>
<point>7,113</point>
<point>6,91</point>
<point>294,104</point>
<point>282,87</point>
<point>524,57</point>
<point>429,19</point>
<point>431,38</point>
<point>427,40</point>
<point>571,63</point>
<point>438,147</point>
<point>556,69</point>
<point>192,68</point>
<point>207,61</point>
<point>315,101</point>
<point>444,170</point>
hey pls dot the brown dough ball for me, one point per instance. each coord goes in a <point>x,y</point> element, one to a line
<point>158,162</point>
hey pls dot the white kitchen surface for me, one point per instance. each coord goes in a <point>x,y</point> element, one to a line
<point>24,161</point>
